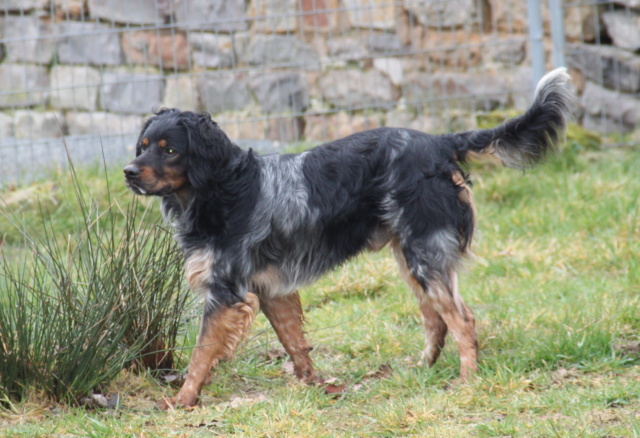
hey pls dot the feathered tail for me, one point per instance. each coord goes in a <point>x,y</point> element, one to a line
<point>525,140</point>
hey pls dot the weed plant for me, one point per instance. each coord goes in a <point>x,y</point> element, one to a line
<point>80,303</point>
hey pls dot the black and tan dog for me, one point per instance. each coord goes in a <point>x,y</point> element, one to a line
<point>255,228</point>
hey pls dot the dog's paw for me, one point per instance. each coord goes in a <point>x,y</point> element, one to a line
<point>459,382</point>
<point>170,403</point>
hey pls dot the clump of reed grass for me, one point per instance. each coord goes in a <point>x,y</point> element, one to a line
<point>75,308</point>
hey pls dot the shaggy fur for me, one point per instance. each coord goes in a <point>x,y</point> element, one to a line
<point>266,225</point>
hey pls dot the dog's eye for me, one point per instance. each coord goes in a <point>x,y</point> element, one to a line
<point>170,151</point>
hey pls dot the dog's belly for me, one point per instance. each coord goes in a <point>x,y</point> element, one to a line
<point>304,263</point>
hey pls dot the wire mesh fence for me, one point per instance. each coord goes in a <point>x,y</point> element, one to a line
<point>278,71</point>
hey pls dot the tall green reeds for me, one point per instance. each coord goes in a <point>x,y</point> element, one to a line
<point>75,308</point>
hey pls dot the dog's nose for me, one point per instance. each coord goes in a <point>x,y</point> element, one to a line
<point>131,171</point>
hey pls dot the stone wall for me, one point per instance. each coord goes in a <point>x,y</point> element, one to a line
<point>295,69</point>
<point>608,70</point>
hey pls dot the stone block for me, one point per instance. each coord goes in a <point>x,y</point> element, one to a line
<point>617,69</point>
<point>619,107</point>
<point>215,15</point>
<point>286,129</point>
<point>75,9</point>
<point>270,50</point>
<point>404,118</point>
<point>20,5</point>
<point>166,48</point>
<point>512,16</point>
<point>584,23</point>
<point>355,88</point>
<point>371,14</point>
<point>181,92</point>
<point>102,123</point>
<point>212,50</point>
<point>74,87</point>
<point>238,128</point>
<point>384,43</point>
<point>449,14</point>
<point>37,124</point>
<point>223,91</point>
<point>89,43</point>
<point>24,85</point>
<point>391,67</point>
<point>30,46</point>
<point>624,28</point>
<point>506,52</point>
<point>634,4</point>
<point>523,87</point>
<point>131,92</point>
<point>321,15</point>
<point>458,49</point>
<point>604,125</point>
<point>346,48</point>
<point>130,12</point>
<point>469,91</point>
<point>280,91</point>
<point>329,127</point>
<point>6,126</point>
<point>241,42</point>
<point>409,30</point>
<point>278,16</point>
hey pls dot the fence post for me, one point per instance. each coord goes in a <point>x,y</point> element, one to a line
<point>535,40</point>
<point>557,32</point>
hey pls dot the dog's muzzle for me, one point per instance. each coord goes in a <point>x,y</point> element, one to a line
<point>131,175</point>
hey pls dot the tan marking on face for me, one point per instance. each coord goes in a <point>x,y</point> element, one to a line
<point>219,336</point>
<point>197,267</point>
<point>146,173</point>
<point>145,142</point>
<point>175,178</point>
<point>162,143</point>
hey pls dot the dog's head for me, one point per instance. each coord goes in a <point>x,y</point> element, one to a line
<point>177,150</point>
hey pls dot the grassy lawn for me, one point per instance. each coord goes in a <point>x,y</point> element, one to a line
<point>555,287</point>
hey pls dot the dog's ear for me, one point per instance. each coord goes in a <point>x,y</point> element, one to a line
<point>210,150</point>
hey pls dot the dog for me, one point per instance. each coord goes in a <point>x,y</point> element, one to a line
<point>254,228</point>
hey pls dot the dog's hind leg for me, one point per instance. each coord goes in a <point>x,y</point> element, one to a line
<point>285,314</point>
<point>443,309</point>
<point>220,333</point>
<point>460,321</point>
<point>435,329</point>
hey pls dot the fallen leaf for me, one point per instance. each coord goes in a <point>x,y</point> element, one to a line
<point>237,401</point>
<point>335,390</point>
<point>173,379</point>
<point>381,373</point>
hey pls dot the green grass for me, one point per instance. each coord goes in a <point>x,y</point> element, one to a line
<point>555,287</point>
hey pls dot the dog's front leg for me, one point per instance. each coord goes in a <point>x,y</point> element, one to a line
<point>285,315</point>
<point>220,333</point>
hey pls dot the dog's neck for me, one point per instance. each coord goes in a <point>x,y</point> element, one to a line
<point>225,197</point>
